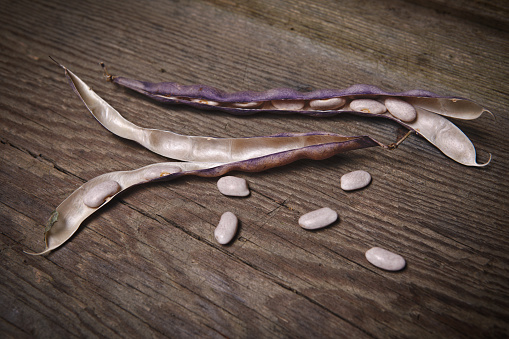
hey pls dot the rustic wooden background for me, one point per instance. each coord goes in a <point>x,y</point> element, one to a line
<point>147,264</point>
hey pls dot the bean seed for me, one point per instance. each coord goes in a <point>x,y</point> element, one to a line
<point>161,171</point>
<point>401,109</point>
<point>226,229</point>
<point>368,106</point>
<point>318,219</point>
<point>385,259</point>
<point>233,186</point>
<point>205,102</point>
<point>96,196</point>
<point>288,105</point>
<point>327,104</point>
<point>251,104</point>
<point>355,180</point>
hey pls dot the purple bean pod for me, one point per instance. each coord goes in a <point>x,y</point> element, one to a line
<point>427,121</point>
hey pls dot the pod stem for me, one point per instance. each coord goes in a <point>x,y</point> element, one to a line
<point>394,145</point>
<point>108,76</point>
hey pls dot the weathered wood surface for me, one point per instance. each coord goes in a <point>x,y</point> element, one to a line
<point>147,264</point>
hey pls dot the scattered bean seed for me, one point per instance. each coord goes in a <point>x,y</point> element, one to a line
<point>401,109</point>
<point>288,105</point>
<point>318,219</point>
<point>355,180</point>
<point>226,229</point>
<point>385,259</point>
<point>233,186</point>
<point>96,196</point>
<point>368,106</point>
<point>327,104</point>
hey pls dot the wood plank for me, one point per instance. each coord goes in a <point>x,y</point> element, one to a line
<point>490,13</point>
<point>147,264</point>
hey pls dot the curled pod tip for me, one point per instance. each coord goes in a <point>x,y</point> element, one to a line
<point>446,136</point>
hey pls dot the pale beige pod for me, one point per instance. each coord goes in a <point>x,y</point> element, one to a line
<point>68,216</point>
<point>446,136</point>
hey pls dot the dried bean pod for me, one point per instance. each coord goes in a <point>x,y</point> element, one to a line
<point>455,107</point>
<point>194,148</point>
<point>72,212</point>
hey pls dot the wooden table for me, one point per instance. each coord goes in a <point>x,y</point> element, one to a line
<point>147,264</point>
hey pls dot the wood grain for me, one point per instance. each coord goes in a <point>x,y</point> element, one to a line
<point>147,265</point>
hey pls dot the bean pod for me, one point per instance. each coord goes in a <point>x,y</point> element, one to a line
<point>69,215</point>
<point>418,110</point>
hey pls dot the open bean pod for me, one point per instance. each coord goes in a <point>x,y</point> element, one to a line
<point>94,194</point>
<point>194,148</point>
<point>420,111</point>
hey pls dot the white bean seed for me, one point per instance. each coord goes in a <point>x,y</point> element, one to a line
<point>252,104</point>
<point>401,109</point>
<point>233,186</point>
<point>318,218</point>
<point>205,102</point>
<point>288,105</point>
<point>368,106</point>
<point>326,104</point>
<point>160,171</point>
<point>96,196</point>
<point>355,180</point>
<point>385,259</point>
<point>226,229</point>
